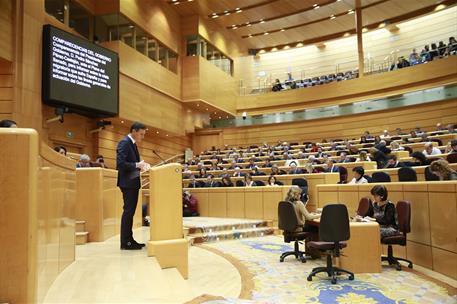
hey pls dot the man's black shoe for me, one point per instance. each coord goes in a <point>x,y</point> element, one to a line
<point>131,246</point>
<point>140,244</point>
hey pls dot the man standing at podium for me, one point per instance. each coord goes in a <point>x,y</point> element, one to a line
<point>129,166</point>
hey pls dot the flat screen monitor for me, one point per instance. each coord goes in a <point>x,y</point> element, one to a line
<point>79,75</point>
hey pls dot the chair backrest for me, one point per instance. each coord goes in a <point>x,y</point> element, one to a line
<point>239,183</point>
<point>287,216</point>
<point>343,174</point>
<point>404,216</point>
<point>437,140</point>
<point>379,177</point>
<point>452,158</point>
<point>200,184</point>
<point>368,178</point>
<point>429,176</point>
<point>407,174</point>
<point>334,223</point>
<point>259,183</point>
<point>300,182</point>
<point>365,205</point>
<point>279,183</point>
<point>409,149</point>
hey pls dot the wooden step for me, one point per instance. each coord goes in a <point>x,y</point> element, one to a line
<point>81,237</point>
<point>80,226</point>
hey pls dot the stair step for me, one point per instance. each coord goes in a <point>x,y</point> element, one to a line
<point>81,237</point>
<point>80,226</point>
<point>197,238</point>
<point>230,227</point>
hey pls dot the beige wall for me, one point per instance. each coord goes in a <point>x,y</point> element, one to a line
<point>6,34</point>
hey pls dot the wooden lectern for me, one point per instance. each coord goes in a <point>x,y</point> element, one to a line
<point>167,242</point>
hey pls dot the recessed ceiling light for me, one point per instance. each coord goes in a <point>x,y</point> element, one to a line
<point>262,21</point>
<point>332,17</point>
<point>249,36</point>
<point>347,34</point>
<point>299,44</point>
<point>261,51</point>
<point>282,30</point>
<point>364,30</point>
<point>350,12</point>
<point>274,49</point>
<point>316,7</point>
<point>227,14</point>
<point>214,16</point>
<point>207,109</point>
<point>286,47</point>
<point>266,33</point>
<point>157,132</point>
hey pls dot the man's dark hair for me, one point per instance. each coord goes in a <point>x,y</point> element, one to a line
<point>58,148</point>
<point>393,157</point>
<point>7,123</point>
<point>454,143</point>
<point>380,190</point>
<point>137,126</point>
<point>359,170</point>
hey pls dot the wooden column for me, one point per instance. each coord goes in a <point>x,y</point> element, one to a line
<point>358,23</point>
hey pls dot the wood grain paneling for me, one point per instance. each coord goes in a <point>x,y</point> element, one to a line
<point>373,86</point>
<point>6,34</point>
<point>155,17</point>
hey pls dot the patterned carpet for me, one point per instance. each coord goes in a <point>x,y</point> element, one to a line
<point>286,282</point>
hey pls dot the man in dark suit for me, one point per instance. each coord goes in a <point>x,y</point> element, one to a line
<point>129,165</point>
<point>394,163</point>
<point>331,167</point>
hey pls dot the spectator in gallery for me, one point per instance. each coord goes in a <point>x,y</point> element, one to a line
<point>452,147</point>
<point>419,159</point>
<point>344,158</point>
<point>442,169</point>
<point>313,160</point>
<point>256,172</point>
<point>275,171</point>
<point>452,46</point>
<point>277,86</point>
<point>382,146</point>
<point>320,153</point>
<point>251,164</point>
<point>442,48</point>
<point>414,58</point>
<point>193,182</point>
<point>7,123</point>
<point>358,173</point>
<point>61,150</point>
<point>238,173</point>
<point>425,54</point>
<point>84,161</point>
<point>401,63</point>
<point>267,163</point>
<point>226,182</point>
<point>430,149</point>
<point>418,130</point>
<point>352,150</point>
<point>399,132</point>
<point>309,168</point>
<point>434,51</point>
<point>439,127</point>
<point>451,129</point>
<point>379,157</point>
<point>363,139</point>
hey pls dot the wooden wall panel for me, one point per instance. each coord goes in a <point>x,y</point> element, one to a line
<point>141,68</point>
<point>6,34</point>
<point>156,17</point>
<point>352,126</point>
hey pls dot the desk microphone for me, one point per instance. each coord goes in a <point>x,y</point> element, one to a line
<point>157,154</point>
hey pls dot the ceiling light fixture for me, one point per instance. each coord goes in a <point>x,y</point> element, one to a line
<point>350,12</point>
<point>282,30</point>
<point>332,17</point>
<point>316,7</point>
<point>266,33</point>
<point>262,21</point>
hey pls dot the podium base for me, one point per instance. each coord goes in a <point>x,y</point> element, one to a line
<point>171,253</point>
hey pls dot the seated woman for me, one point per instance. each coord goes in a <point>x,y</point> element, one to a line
<point>226,182</point>
<point>189,204</point>
<point>395,146</point>
<point>272,181</point>
<point>442,169</point>
<point>384,211</point>
<point>202,173</point>
<point>363,156</point>
<point>248,182</point>
<point>358,176</point>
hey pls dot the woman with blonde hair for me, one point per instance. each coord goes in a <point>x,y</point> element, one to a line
<point>442,169</point>
<point>395,146</point>
<point>293,196</point>
<point>363,156</point>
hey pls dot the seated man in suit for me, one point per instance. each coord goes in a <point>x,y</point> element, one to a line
<point>267,163</point>
<point>210,182</point>
<point>430,149</point>
<point>294,169</point>
<point>344,158</point>
<point>394,163</point>
<point>331,167</point>
<point>453,148</point>
<point>238,172</point>
<point>251,163</point>
<point>255,172</point>
<point>84,161</point>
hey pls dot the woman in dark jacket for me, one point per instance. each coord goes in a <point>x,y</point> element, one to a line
<point>384,212</point>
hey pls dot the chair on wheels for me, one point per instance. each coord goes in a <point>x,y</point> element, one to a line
<point>365,207</point>
<point>429,176</point>
<point>333,231</point>
<point>380,177</point>
<point>407,174</point>
<point>404,220</point>
<point>288,223</point>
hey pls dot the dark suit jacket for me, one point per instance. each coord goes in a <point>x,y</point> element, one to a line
<point>128,176</point>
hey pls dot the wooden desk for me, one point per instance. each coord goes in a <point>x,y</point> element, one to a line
<point>363,251</point>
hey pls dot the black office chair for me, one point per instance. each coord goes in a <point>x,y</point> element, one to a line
<point>429,176</point>
<point>302,184</point>
<point>365,207</point>
<point>333,231</point>
<point>380,177</point>
<point>288,223</point>
<point>259,183</point>
<point>452,158</point>
<point>404,225</point>
<point>239,183</point>
<point>407,174</point>
<point>368,178</point>
<point>343,175</point>
<point>279,183</point>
